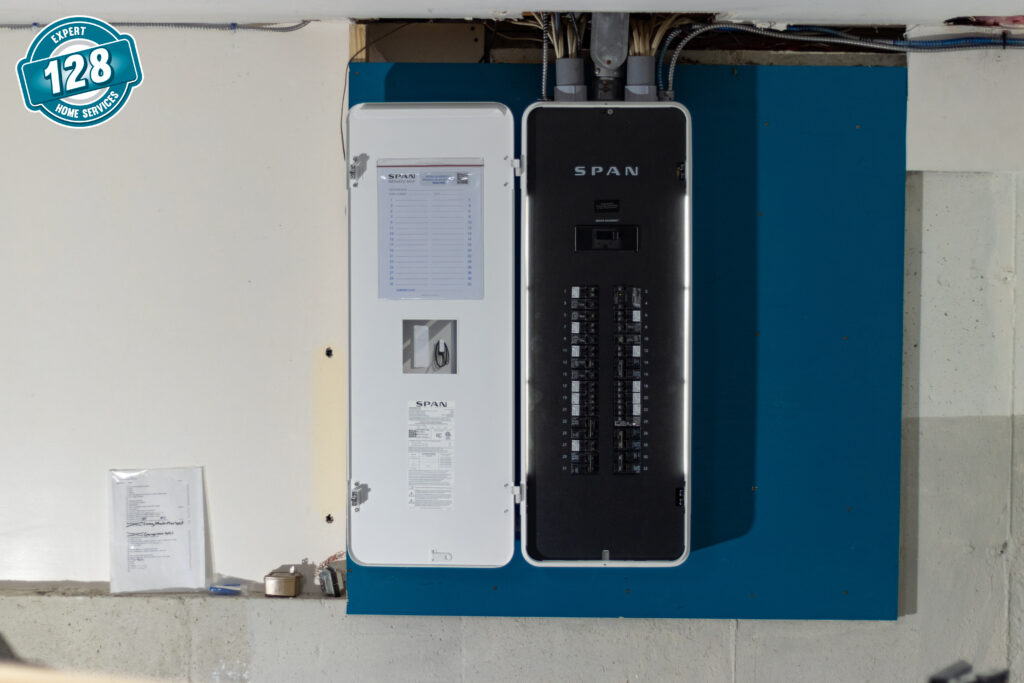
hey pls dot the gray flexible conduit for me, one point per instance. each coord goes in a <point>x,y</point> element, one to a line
<point>544,57</point>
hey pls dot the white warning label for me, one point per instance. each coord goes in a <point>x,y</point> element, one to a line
<point>431,455</point>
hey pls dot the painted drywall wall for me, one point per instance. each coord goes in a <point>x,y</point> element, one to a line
<point>960,107</point>
<point>169,284</point>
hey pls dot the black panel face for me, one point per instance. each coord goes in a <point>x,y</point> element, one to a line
<point>604,324</point>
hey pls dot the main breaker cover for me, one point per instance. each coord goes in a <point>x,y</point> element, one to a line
<point>432,338</point>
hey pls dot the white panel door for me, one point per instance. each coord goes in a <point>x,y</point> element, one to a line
<point>431,217</point>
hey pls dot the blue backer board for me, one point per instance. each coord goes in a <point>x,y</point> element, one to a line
<point>798,224</point>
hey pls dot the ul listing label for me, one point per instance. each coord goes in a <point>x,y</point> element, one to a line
<point>79,71</point>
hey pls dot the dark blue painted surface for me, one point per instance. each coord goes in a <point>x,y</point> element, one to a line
<point>798,190</point>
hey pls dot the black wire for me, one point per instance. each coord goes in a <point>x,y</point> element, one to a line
<point>576,31</point>
<point>486,53</point>
<point>344,89</point>
<point>507,36</point>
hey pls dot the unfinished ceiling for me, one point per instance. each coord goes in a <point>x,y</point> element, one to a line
<point>792,11</point>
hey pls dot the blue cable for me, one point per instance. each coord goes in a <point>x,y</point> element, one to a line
<point>817,29</point>
<point>950,42</point>
<point>967,41</point>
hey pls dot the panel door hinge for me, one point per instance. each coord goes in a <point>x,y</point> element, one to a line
<point>517,166</point>
<point>357,168</point>
<point>359,495</point>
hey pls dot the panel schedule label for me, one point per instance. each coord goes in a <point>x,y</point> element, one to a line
<point>430,229</point>
<point>431,446</point>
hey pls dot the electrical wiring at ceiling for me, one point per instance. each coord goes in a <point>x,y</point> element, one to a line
<point>655,35</point>
<point>646,34</point>
<point>561,33</point>
<point>830,36</point>
<point>564,30</point>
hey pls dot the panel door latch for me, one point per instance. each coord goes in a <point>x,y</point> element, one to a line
<point>359,495</point>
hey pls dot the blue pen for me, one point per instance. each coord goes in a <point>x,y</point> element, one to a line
<point>226,589</point>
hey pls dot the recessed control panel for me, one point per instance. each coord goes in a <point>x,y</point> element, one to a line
<point>605,310</point>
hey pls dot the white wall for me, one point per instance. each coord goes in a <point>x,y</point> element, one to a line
<point>169,282</point>
<point>960,107</point>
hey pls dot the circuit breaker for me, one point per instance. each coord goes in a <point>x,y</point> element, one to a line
<point>604,336</point>
<point>605,310</point>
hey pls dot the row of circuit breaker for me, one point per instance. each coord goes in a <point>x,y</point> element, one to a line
<point>630,374</point>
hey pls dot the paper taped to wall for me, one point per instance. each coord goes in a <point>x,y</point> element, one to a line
<point>157,529</point>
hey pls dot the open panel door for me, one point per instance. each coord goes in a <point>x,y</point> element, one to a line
<point>432,338</point>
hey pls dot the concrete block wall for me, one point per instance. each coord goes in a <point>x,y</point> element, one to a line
<point>962,574</point>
